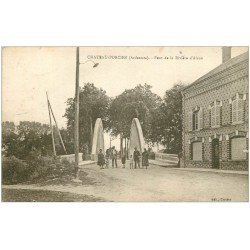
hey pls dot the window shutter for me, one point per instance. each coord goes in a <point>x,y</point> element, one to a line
<point>244,110</point>
<point>240,110</point>
<point>220,115</point>
<point>197,151</point>
<point>200,117</point>
<point>217,115</point>
<point>234,111</point>
<point>190,121</point>
<point>238,146</point>
<point>213,116</point>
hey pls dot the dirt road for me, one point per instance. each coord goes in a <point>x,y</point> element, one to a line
<point>153,184</point>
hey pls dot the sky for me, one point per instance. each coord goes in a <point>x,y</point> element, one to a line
<point>28,72</point>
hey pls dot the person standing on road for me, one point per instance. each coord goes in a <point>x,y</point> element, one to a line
<point>123,160</point>
<point>107,160</point>
<point>108,152</point>
<point>179,159</point>
<point>114,157</point>
<point>101,159</point>
<point>137,157</point>
<point>131,161</point>
<point>145,158</point>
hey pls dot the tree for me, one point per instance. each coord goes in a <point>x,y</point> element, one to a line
<point>93,103</point>
<point>34,136</point>
<point>167,122</point>
<point>68,141</point>
<point>139,102</point>
<point>21,140</point>
<point>9,138</point>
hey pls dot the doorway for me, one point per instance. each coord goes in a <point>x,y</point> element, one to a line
<point>215,153</point>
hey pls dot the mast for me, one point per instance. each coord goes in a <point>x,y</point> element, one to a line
<point>51,127</point>
<point>57,128</point>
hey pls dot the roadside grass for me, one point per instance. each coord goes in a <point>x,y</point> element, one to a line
<point>61,175</point>
<point>27,195</point>
<point>64,178</point>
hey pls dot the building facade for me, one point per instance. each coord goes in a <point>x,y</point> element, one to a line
<point>215,116</point>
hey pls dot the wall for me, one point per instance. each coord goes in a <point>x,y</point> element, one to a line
<point>220,87</point>
<point>166,157</point>
<point>70,158</point>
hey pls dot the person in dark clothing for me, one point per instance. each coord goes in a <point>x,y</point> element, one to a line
<point>101,159</point>
<point>123,160</point>
<point>108,152</point>
<point>107,160</point>
<point>145,158</point>
<point>179,159</point>
<point>137,157</point>
<point>114,157</point>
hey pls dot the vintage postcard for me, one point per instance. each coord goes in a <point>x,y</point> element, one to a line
<point>125,124</point>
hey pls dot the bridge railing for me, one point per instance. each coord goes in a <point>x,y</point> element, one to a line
<point>166,157</point>
<point>70,158</point>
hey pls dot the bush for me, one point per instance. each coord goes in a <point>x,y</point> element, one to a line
<point>170,151</point>
<point>14,170</point>
<point>68,167</point>
<point>151,155</point>
<point>65,162</point>
<point>40,166</point>
<point>35,166</point>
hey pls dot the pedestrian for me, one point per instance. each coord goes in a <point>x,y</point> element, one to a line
<point>123,160</point>
<point>145,158</point>
<point>108,152</point>
<point>131,161</point>
<point>101,159</point>
<point>107,160</point>
<point>179,159</point>
<point>137,157</point>
<point>114,157</point>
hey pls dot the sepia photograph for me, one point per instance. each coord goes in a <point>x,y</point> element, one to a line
<point>125,124</point>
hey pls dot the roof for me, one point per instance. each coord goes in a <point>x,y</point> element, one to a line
<point>231,62</point>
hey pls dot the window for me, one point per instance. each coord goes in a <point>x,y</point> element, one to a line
<point>197,151</point>
<point>237,109</point>
<point>215,114</point>
<point>196,119</point>
<point>238,147</point>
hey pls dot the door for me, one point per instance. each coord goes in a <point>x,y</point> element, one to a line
<point>215,153</point>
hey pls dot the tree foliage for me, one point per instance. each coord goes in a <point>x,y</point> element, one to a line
<point>161,121</point>
<point>93,104</point>
<point>21,140</point>
<point>167,122</point>
<point>139,102</point>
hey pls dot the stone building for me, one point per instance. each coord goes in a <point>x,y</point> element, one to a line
<point>215,116</point>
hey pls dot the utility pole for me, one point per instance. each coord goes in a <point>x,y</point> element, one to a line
<point>91,133</point>
<point>51,127</point>
<point>76,127</point>
<point>58,130</point>
<point>76,132</point>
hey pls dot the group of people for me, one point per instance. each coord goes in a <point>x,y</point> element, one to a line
<point>134,159</point>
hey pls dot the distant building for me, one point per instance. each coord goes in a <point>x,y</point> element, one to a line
<point>215,116</point>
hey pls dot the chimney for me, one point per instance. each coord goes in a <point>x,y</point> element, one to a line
<point>226,54</point>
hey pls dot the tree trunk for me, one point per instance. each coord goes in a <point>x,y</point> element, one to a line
<point>125,141</point>
<point>127,149</point>
<point>121,145</point>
